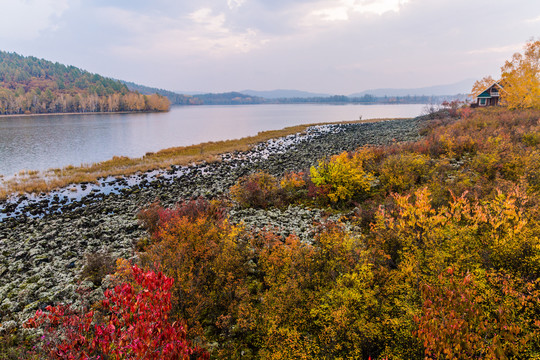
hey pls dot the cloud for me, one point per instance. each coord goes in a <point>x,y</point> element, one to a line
<point>235,3</point>
<point>499,49</point>
<point>342,9</point>
<point>200,33</point>
<point>533,20</point>
<point>377,7</point>
<point>332,14</point>
<point>340,46</point>
<point>319,45</point>
<point>210,23</point>
<point>26,20</point>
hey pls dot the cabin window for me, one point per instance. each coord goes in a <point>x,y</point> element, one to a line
<point>482,101</point>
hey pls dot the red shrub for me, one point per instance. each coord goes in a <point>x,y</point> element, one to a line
<point>134,325</point>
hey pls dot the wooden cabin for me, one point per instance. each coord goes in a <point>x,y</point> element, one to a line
<point>490,96</point>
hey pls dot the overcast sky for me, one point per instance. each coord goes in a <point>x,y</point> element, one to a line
<point>329,46</point>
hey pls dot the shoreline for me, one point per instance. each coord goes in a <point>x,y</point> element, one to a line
<point>189,105</point>
<point>42,246</point>
<point>78,113</point>
<point>39,181</point>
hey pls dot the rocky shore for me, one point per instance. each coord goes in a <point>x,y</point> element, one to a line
<point>43,239</point>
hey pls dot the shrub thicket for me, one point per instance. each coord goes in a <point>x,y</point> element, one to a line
<point>444,261</point>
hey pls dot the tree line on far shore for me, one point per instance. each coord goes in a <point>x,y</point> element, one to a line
<point>29,85</point>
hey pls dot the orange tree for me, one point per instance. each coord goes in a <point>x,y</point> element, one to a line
<point>489,313</point>
<point>483,315</point>
<point>209,260</point>
<point>320,300</point>
<point>521,78</point>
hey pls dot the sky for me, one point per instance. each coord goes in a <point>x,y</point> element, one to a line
<point>326,46</point>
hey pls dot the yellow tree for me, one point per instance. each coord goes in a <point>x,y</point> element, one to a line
<point>521,79</point>
<point>481,85</point>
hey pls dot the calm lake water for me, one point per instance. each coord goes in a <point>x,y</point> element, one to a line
<point>40,143</point>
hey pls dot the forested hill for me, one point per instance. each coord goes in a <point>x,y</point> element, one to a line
<point>228,98</point>
<point>29,85</point>
<point>174,98</point>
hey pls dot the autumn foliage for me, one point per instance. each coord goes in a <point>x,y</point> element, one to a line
<point>132,322</point>
<point>258,190</point>
<point>520,79</point>
<point>343,176</point>
<point>205,258</point>
<point>436,256</point>
<point>481,85</point>
<point>482,315</point>
<point>260,296</point>
<point>35,86</point>
<point>445,262</point>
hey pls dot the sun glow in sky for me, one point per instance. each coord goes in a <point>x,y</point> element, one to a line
<point>329,46</point>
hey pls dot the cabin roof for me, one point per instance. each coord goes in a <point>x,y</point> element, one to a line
<point>486,93</point>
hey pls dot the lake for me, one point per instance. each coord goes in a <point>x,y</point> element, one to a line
<point>44,142</point>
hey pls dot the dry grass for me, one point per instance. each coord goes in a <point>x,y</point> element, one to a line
<point>36,182</point>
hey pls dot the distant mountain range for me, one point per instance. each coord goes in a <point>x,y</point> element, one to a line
<point>431,94</point>
<point>228,98</point>
<point>462,87</point>
<point>282,94</point>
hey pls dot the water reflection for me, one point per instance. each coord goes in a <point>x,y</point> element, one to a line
<point>40,143</point>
